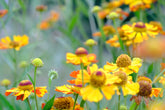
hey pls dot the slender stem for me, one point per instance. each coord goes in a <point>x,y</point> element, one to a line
<point>15,67</point>
<point>82,68</point>
<point>50,81</point>
<point>29,103</point>
<point>119,99</point>
<point>75,101</point>
<point>98,106</point>
<point>35,72</point>
<point>90,49</point>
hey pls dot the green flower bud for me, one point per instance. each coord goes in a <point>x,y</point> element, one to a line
<point>23,64</point>
<point>37,62</point>
<point>122,107</point>
<point>96,9</point>
<point>113,15</point>
<point>53,74</point>
<point>5,82</point>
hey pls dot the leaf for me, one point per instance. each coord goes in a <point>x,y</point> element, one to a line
<point>49,104</point>
<point>82,103</point>
<point>6,102</point>
<point>133,105</point>
<point>150,68</point>
<point>72,22</point>
<point>30,78</point>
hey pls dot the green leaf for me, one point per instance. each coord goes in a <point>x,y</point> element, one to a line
<point>6,102</point>
<point>72,22</point>
<point>82,103</point>
<point>132,107</point>
<point>49,104</point>
<point>30,78</point>
<point>150,68</point>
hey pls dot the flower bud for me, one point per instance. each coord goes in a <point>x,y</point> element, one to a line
<point>53,74</point>
<point>113,15</point>
<point>5,82</point>
<point>96,9</point>
<point>23,64</point>
<point>37,62</point>
<point>90,42</point>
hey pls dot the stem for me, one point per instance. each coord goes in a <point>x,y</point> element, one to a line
<point>29,103</point>
<point>136,107</point>
<point>90,49</point>
<point>141,15</point>
<point>98,106</point>
<point>50,81</point>
<point>35,72</point>
<point>75,101</point>
<point>82,67</point>
<point>119,100</point>
<point>15,67</point>
<point>158,76</point>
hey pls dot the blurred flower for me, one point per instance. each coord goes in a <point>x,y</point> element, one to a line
<point>136,5</point>
<point>113,41</point>
<point>17,42</point>
<point>54,16</point>
<point>63,103</point>
<point>3,12</point>
<point>23,64</point>
<point>138,32</point>
<point>99,82</point>
<point>90,42</point>
<point>81,56</point>
<point>146,90</point>
<point>113,15</point>
<point>24,89</point>
<point>96,9</point>
<point>156,106</point>
<point>53,74</point>
<point>159,26</point>
<point>44,25</point>
<point>69,89</point>
<point>5,82</point>
<point>41,8</point>
<point>153,48</point>
<point>124,63</point>
<point>107,29</point>
<point>37,62</point>
<point>121,13</point>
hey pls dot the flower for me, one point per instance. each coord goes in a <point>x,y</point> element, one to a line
<point>124,63</point>
<point>98,80</point>
<point>146,90</point>
<point>3,12</point>
<point>90,42</point>
<point>96,9</point>
<point>24,89</point>
<point>69,89</point>
<point>37,62</point>
<point>44,25</point>
<point>135,5</point>
<point>41,8</point>
<point>138,32</point>
<point>5,82</point>
<point>81,56</point>
<point>113,15</point>
<point>17,42</point>
<point>158,25</point>
<point>107,29</point>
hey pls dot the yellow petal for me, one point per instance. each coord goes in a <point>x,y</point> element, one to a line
<point>26,94</point>
<point>109,91</point>
<point>130,88</point>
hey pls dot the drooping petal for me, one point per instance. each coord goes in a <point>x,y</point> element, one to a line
<point>157,92</point>
<point>130,88</point>
<point>26,94</point>
<point>109,91</point>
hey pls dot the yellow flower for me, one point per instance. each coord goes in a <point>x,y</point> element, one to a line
<point>24,89</point>
<point>138,32</point>
<point>17,42</point>
<point>124,63</point>
<point>81,56</point>
<point>135,5</point>
<point>98,80</point>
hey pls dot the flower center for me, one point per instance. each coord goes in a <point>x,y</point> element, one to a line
<point>123,61</point>
<point>81,51</point>
<point>63,103</point>
<point>145,88</point>
<point>14,44</point>
<point>140,27</point>
<point>25,85</point>
<point>123,76</point>
<point>98,79</point>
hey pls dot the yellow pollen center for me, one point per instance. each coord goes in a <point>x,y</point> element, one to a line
<point>14,44</point>
<point>140,27</point>
<point>123,61</point>
<point>98,79</point>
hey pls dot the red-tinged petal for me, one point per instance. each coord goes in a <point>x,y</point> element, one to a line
<point>71,81</point>
<point>74,74</point>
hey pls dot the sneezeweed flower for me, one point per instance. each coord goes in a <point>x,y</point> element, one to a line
<point>69,89</point>
<point>81,56</point>
<point>73,75</point>
<point>138,32</point>
<point>3,12</point>
<point>136,5</point>
<point>5,82</point>
<point>63,103</point>
<point>44,25</point>
<point>107,29</point>
<point>37,62</point>
<point>24,89</point>
<point>158,25</point>
<point>146,90</point>
<point>54,16</point>
<point>90,42</point>
<point>113,15</point>
<point>41,8</point>
<point>127,85</point>
<point>17,42</point>
<point>124,63</point>
<point>98,80</point>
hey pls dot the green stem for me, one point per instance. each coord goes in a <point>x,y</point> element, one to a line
<point>75,101</point>
<point>136,107</point>
<point>119,100</point>
<point>15,67</point>
<point>49,86</point>
<point>141,15</point>
<point>98,106</point>
<point>82,68</point>
<point>90,49</point>
<point>35,73</point>
<point>29,103</point>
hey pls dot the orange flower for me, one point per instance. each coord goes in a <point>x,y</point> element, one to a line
<point>81,56</point>
<point>158,25</point>
<point>3,12</point>
<point>41,8</point>
<point>107,29</point>
<point>17,42</point>
<point>44,25</point>
<point>24,89</point>
<point>54,16</point>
